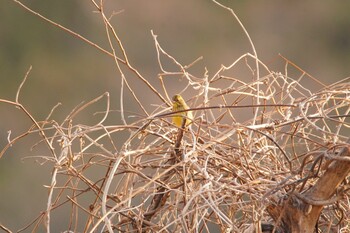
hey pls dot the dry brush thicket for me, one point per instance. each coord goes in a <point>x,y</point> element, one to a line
<point>220,174</point>
<point>252,146</point>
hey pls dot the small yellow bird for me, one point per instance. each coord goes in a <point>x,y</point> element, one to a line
<point>179,104</point>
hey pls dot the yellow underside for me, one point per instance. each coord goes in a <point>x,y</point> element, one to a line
<point>178,118</point>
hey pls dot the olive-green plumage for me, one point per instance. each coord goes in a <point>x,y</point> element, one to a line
<point>178,105</point>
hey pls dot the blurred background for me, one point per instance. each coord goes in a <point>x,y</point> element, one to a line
<point>313,34</point>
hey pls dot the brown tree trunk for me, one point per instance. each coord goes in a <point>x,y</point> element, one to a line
<point>300,212</point>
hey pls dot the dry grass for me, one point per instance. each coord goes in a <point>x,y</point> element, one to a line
<point>251,144</point>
